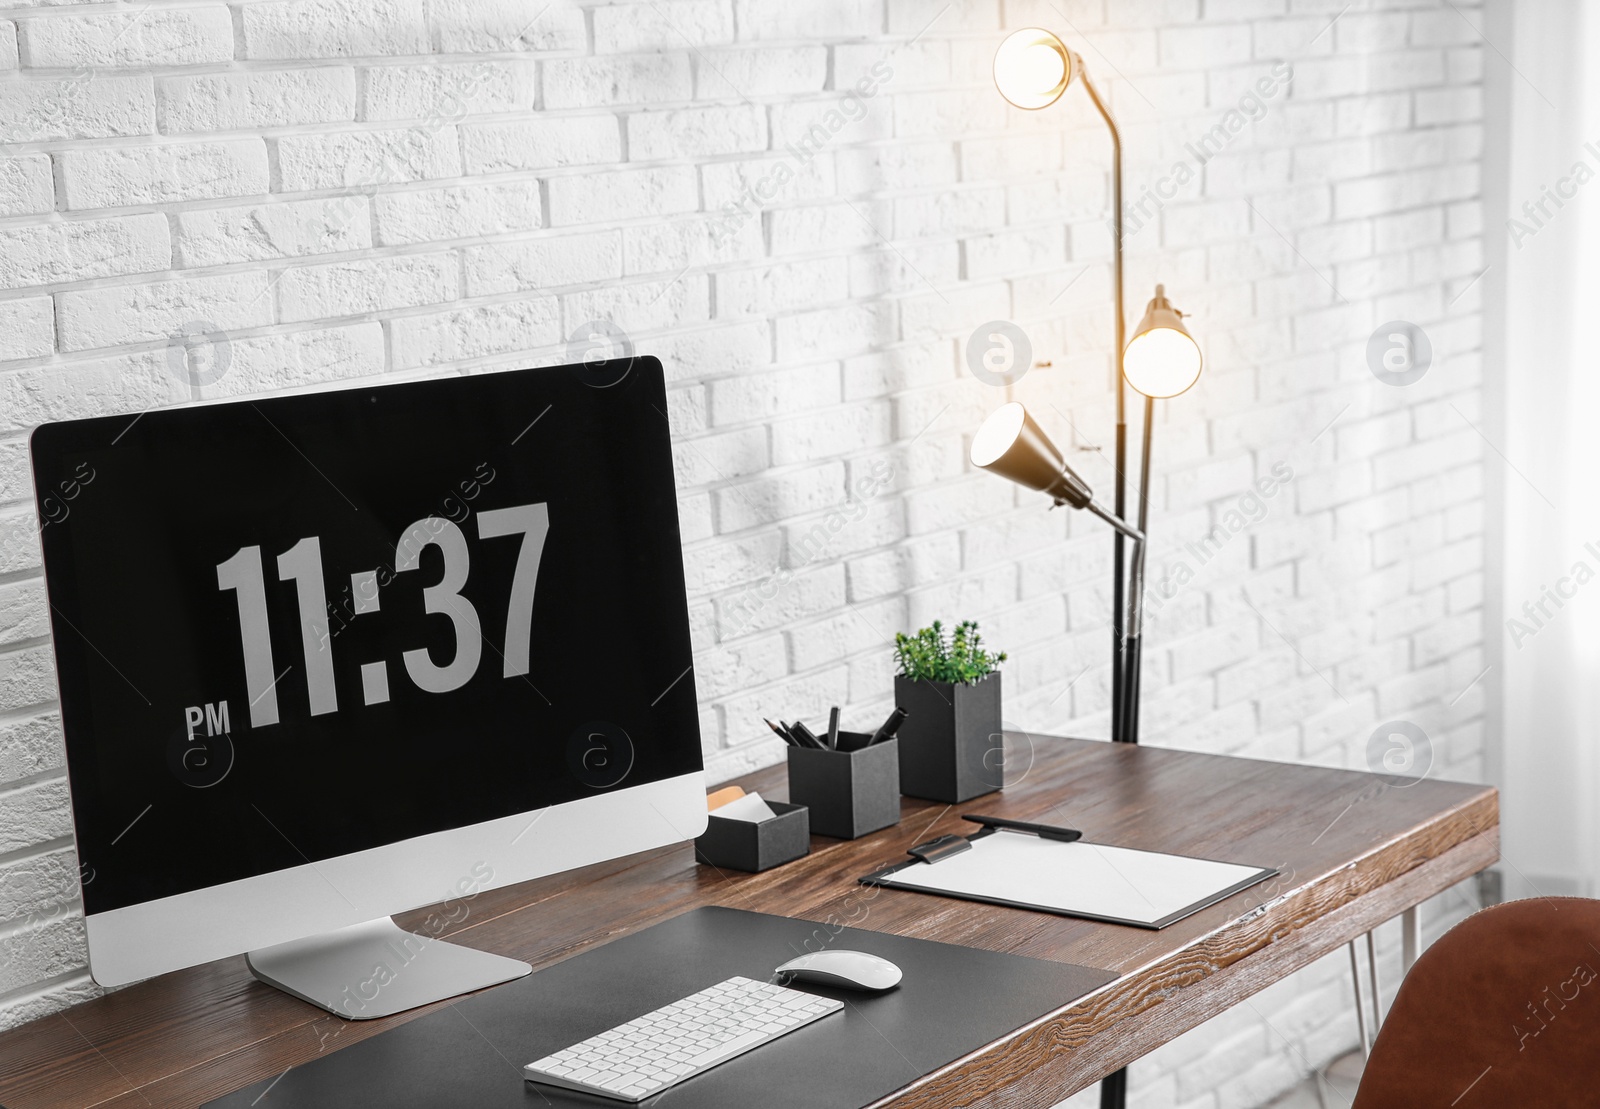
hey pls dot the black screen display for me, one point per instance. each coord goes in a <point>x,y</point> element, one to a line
<point>293,628</point>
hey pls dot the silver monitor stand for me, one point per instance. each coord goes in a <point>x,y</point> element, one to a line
<point>377,969</point>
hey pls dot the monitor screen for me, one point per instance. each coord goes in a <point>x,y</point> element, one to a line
<point>294,628</point>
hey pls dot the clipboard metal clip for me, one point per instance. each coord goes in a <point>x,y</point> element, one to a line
<point>941,848</point>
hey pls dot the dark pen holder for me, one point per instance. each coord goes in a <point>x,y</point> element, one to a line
<point>849,792</point>
<point>755,846</point>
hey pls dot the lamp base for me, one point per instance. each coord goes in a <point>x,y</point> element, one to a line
<point>1114,1090</point>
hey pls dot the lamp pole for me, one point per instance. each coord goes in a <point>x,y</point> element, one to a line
<point>1124,725</point>
<point>1135,650</point>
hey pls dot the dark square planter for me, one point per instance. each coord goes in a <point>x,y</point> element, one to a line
<point>951,748</point>
<point>849,793</point>
<point>746,845</point>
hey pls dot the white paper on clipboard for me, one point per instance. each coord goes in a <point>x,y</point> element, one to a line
<point>1119,884</point>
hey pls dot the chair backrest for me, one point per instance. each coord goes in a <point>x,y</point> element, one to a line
<point>1503,1011</point>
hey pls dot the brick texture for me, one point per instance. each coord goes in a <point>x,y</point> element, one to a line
<point>806,210</point>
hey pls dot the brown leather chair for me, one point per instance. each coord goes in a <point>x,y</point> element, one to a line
<point>1504,1011</point>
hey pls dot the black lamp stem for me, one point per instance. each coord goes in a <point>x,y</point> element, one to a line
<point>1130,712</point>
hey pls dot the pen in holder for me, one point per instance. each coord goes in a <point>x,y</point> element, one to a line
<point>850,792</point>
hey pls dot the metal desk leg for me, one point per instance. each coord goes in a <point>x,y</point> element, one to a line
<point>1377,994</point>
<point>1410,938</point>
<point>1114,1090</point>
<point>1361,1007</point>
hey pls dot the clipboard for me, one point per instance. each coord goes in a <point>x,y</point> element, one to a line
<point>1053,870</point>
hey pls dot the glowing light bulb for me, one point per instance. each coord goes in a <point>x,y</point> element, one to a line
<point>1162,362</point>
<point>1032,68</point>
<point>1162,359</point>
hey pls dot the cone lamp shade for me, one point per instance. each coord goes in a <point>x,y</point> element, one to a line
<point>1010,444</point>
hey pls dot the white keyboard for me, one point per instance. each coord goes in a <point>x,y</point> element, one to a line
<point>650,1053</point>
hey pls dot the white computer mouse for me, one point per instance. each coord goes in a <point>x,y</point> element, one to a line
<point>851,970</point>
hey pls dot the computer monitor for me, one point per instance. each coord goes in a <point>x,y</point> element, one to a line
<point>327,657</point>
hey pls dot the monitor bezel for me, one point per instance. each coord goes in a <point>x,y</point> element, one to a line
<point>449,868</point>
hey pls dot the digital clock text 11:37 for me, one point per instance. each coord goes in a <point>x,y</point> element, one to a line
<point>243,574</point>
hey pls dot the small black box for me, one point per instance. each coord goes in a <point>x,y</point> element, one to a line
<point>747,845</point>
<point>849,793</point>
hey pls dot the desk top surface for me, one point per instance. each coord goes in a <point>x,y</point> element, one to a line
<point>1353,851</point>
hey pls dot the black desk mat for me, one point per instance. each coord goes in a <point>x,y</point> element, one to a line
<point>952,1001</point>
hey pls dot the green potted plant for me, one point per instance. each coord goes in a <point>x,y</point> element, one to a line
<point>949,687</point>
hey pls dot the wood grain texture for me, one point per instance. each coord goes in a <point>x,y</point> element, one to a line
<point>1354,852</point>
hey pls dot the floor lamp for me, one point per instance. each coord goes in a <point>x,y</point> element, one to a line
<point>1032,69</point>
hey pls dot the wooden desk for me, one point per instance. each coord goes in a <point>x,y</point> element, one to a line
<point>1354,854</point>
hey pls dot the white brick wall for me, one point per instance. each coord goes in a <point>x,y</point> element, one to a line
<point>805,209</point>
